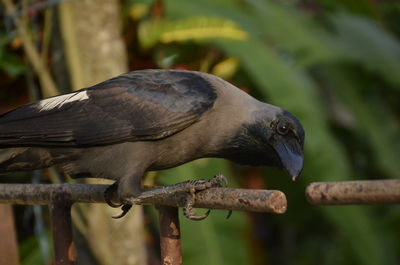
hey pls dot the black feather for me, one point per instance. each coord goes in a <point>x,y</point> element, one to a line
<point>140,105</point>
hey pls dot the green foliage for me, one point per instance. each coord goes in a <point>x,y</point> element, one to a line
<point>335,65</point>
<point>9,63</point>
<point>366,42</point>
<point>288,30</point>
<point>277,81</point>
<point>318,68</point>
<point>30,252</point>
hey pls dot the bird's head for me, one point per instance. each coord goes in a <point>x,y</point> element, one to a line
<point>274,138</point>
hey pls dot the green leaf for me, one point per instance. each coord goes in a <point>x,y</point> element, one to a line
<point>233,10</point>
<point>194,28</point>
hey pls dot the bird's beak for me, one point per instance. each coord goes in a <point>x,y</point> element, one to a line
<point>291,156</point>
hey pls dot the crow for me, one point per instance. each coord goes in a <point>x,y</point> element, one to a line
<point>149,120</point>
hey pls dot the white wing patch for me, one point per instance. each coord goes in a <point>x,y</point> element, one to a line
<point>59,101</point>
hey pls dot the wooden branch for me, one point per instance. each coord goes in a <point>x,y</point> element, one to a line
<point>214,198</point>
<point>354,192</point>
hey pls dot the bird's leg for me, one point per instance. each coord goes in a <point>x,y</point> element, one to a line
<point>189,211</point>
<point>130,188</point>
<point>109,194</point>
<point>195,186</point>
<point>189,187</point>
<point>134,189</point>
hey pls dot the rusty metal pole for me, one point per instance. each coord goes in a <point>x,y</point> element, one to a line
<point>170,235</point>
<point>8,240</point>
<point>64,249</point>
<point>59,197</point>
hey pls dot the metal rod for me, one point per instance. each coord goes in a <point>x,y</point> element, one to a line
<point>64,249</point>
<point>354,192</point>
<point>170,235</point>
<point>214,198</point>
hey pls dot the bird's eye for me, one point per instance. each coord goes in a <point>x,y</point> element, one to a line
<point>282,128</point>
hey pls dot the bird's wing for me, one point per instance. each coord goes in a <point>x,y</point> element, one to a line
<point>140,105</point>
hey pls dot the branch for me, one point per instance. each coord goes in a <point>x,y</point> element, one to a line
<point>214,198</point>
<point>354,192</point>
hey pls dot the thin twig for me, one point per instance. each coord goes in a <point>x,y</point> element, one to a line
<point>47,30</point>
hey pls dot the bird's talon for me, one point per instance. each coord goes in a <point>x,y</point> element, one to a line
<point>190,213</point>
<point>199,185</point>
<point>188,210</point>
<point>225,180</point>
<point>111,204</point>
<point>194,217</point>
<point>108,195</point>
<point>125,209</point>
<point>219,180</point>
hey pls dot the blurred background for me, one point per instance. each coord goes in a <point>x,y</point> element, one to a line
<point>334,64</point>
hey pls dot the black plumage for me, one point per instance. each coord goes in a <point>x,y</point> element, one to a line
<point>141,105</point>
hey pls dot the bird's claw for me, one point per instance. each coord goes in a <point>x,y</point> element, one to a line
<point>190,212</point>
<point>125,209</point>
<point>108,195</point>
<point>199,185</point>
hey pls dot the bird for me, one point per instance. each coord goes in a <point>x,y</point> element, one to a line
<point>149,120</point>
